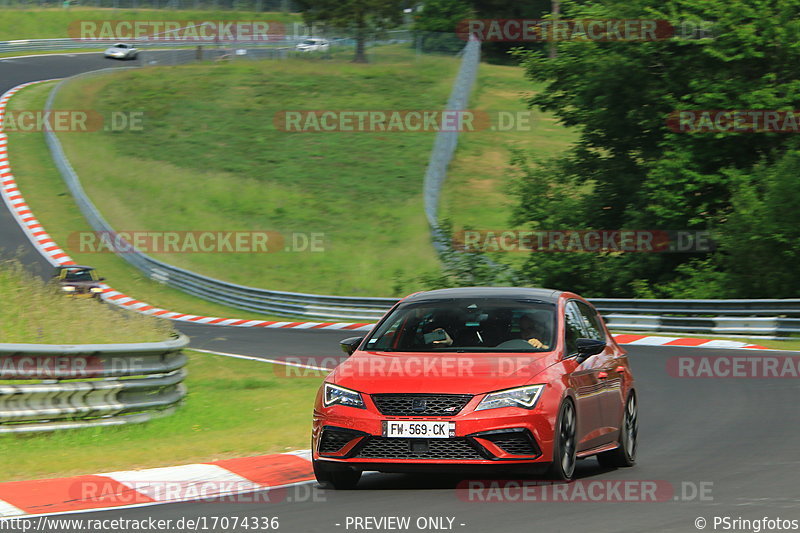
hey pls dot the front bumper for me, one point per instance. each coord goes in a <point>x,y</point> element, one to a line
<point>492,437</point>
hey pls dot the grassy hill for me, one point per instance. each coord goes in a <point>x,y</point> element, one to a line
<point>53,23</point>
<point>210,157</point>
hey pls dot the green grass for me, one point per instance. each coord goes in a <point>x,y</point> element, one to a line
<point>476,191</point>
<point>53,23</point>
<point>211,158</point>
<point>777,345</point>
<point>44,190</point>
<point>210,128</point>
<point>235,408</point>
<point>35,313</point>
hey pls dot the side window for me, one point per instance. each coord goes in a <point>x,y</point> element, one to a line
<point>594,328</point>
<point>573,326</point>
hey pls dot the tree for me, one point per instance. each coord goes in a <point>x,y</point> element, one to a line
<point>759,250</point>
<point>437,22</point>
<point>360,18</point>
<point>498,52</point>
<point>632,171</point>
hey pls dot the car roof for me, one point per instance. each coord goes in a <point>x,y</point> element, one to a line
<point>546,295</point>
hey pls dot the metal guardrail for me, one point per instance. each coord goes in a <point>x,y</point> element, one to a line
<point>764,317</point>
<point>51,387</point>
<point>738,326</point>
<point>761,307</point>
<point>444,147</point>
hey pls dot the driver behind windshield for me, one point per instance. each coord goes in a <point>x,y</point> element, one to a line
<point>531,330</point>
<point>484,326</point>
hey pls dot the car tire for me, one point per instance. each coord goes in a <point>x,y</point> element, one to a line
<point>564,443</point>
<point>336,478</point>
<point>625,454</point>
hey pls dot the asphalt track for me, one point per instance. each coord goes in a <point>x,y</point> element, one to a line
<point>735,438</point>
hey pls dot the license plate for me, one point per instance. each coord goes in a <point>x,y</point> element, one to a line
<point>419,429</point>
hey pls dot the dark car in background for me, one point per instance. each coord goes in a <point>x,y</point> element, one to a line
<point>79,281</point>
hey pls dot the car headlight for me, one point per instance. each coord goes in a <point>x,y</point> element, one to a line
<point>68,288</point>
<point>339,395</point>
<point>524,397</point>
<point>96,290</point>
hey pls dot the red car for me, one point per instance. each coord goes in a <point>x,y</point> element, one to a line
<point>511,378</point>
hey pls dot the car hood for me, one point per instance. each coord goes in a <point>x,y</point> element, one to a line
<point>448,373</point>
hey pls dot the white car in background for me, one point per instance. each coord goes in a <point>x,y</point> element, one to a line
<point>314,44</point>
<point>122,51</point>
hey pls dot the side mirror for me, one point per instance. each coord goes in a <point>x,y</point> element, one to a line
<point>101,279</point>
<point>349,345</point>
<point>588,348</point>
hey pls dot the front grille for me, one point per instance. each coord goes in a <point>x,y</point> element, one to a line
<point>386,448</point>
<point>514,443</point>
<point>421,404</point>
<point>332,441</point>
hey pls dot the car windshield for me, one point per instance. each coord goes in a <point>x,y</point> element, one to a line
<point>120,46</point>
<point>467,325</point>
<point>309,41</point>
<point>79,275</point>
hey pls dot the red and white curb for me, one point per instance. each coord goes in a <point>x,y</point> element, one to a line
<point>57,256</point>
<point>136,488</point>
<point>687,342</point>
